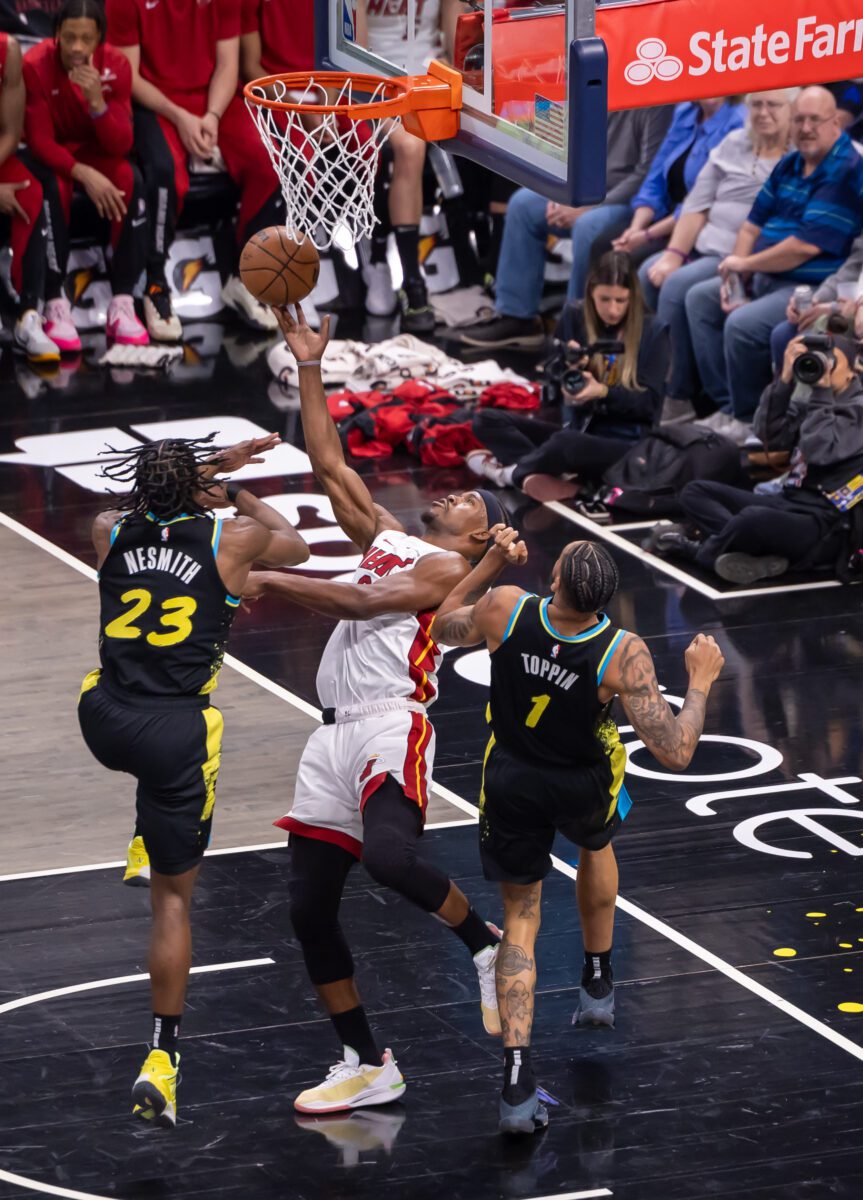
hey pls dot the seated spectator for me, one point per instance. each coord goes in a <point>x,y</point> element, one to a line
<point>383,28</point>
<point>185,69</point>
<point>697,128</point>
<point>633,140</point>
<point>748,536</point>
<point>841,294</point>
<point>79,134</point>
<point>21,209</point>
<point>799,231</point>
<point>619,403</point>
<point>705,232</point>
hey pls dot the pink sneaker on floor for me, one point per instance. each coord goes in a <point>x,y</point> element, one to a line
<point>123,326</point>
<point>60,327</point>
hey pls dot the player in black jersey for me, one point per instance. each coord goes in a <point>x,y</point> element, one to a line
<point>170,574</point>
<point>555,762</point>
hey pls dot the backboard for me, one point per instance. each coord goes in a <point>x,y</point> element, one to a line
<point>534,79</point>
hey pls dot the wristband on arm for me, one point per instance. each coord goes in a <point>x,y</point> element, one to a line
<point>232,491</point>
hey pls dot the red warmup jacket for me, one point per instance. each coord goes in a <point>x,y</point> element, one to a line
<point>58,123</point>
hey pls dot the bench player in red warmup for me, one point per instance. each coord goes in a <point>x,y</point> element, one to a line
<point>21,204</point>
<point>185,69</point>
<point>79,132</point>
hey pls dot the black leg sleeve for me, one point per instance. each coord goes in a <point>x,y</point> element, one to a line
<point>392,825</point>
<point>130,255</point>
<point>47,257</point>
<point>160,189</point>
<point>317,877</point>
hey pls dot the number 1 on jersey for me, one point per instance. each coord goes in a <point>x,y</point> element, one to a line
<point>540,704</point>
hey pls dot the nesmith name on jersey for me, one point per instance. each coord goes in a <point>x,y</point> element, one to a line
<point>148,558</point>
<point>549,671</point>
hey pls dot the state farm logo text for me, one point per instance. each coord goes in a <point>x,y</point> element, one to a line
<point>719,53</point>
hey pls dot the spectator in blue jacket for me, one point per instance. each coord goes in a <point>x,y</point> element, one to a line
<point>697,127</point>
<point>799,231</point>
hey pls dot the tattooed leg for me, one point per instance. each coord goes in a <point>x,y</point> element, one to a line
<point>516,964</point>
<point>596,892</point>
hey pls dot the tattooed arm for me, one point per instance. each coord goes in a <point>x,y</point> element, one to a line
<point>670,739</point>
<point>471,613</point>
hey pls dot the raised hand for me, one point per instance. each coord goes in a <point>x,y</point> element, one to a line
<point>507,545</point>
<point>243,453</point>
<point>704,661</point>
<point>305,343</point>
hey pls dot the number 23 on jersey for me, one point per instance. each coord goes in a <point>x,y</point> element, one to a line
<point>175,617</point>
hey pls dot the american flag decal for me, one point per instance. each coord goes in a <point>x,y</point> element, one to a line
<point>549,121</point>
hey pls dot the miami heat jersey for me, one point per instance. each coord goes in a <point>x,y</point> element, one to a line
<point>388,32</point>
<point>388,657</point>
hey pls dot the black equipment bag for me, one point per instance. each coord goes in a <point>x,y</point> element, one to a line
<point>648,480</point>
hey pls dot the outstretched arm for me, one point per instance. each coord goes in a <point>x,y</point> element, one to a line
<point>671,739</point>
<point>417,590</point>
<point>471,613</point>
<point>354,509</point>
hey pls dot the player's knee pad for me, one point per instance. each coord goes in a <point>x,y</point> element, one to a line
<point>392,861</point>
<point>325,950</point>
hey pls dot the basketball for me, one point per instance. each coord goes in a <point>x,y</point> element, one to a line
<point>276,269</point>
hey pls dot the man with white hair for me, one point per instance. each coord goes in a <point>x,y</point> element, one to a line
<point>799,231</point>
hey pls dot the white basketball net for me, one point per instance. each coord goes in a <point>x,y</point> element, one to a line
<point>326,163</point>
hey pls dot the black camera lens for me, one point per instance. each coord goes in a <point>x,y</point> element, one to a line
<point>811,366</point>
<point>572,380</point>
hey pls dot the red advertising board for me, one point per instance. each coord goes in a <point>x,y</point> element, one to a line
<point>672,50</point>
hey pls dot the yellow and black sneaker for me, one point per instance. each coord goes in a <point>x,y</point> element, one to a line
<point>154,1094</point>
<point>137,864</point>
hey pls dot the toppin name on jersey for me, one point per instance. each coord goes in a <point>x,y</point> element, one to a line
<point>549,671</point>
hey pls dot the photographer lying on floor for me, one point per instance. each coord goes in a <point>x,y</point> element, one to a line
<point>610,373</point>
<point>798,522</point>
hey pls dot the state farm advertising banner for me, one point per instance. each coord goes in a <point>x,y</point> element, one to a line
<point>672,50</point>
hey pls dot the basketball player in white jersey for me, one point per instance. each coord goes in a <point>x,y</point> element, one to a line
<point>382,26</point>
<point>362,782</point>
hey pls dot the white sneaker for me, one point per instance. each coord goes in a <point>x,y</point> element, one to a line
<point>31,339</point>
<point>381,298</point>
<point>485,963</point>
<point>237,296</point>
<point>484,464</point>
<point>738,431</point>
<point>716,421</point>
<point>352,1084</point>
<point>163,324</point>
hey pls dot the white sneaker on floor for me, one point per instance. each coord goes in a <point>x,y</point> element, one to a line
<point>30,338</point>
<point>737,431</point>
<point>381,298</point>
<point>237,296</point>
<point>60,327</point>
<point>352,1084</point>
<point>716,421</point>
<point>123,326</point>
<point>484,464</point>
<point>163,324</point>
<point>485,962</point>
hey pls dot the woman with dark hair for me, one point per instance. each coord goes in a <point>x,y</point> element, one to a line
<point>78,126</point>
<point>619,401</point>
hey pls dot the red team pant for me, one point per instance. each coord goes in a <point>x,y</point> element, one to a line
<point>30,199</point>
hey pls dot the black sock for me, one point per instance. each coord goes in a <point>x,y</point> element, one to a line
<point>519,1081</point>
<point>380,238</point>
<point>474,932</point>
<point>597,977</point>
<point>166,1032</point>
<point>354,1030</point>
<point>408,243</point>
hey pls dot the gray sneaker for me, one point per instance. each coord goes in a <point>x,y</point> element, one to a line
<point>593,1011</point>
<point>749,568</point>
<point>528,1117</point>
<point>500,333</point>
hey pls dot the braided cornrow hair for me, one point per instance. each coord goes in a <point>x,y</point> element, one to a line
<point>588,577</point>
<point>166,476</point>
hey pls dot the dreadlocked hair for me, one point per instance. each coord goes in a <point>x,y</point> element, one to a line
<point>165,476</point>
<point>588,577</point>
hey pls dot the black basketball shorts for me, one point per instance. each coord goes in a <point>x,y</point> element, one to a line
<point>524,805</point>
<point>173,748</point>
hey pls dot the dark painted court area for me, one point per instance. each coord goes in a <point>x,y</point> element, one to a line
<point>701,1089</point>
<point>705,1088</point>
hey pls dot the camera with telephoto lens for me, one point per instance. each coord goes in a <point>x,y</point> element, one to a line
<point>816,359</point>
<point>564,370</point>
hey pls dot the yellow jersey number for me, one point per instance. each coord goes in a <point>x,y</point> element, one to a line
<point>176,617</point>
<point>540,704</point>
